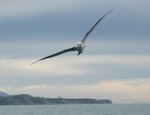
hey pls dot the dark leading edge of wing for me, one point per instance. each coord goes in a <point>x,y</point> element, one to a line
<point>93,27</point>
<point>58,53</point>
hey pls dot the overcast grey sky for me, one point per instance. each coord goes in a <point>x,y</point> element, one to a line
<point>115,63</point>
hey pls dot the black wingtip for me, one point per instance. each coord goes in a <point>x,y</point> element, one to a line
<point>110,11</point>
<point>35,62</point>
<point>107,13</point>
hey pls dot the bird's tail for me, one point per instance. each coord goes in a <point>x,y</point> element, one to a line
<point>78,53</point>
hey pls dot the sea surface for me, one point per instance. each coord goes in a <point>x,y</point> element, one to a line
<point>78,109</point>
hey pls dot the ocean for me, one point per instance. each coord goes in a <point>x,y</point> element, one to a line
<point>78,109</point>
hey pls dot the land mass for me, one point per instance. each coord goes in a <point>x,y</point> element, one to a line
<point>24,99</point>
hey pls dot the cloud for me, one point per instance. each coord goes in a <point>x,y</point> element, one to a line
<point>73,70</point>
<point>23,20</point>
<point>71,65</point>
<point>19,66</point>
<point>30,8</point>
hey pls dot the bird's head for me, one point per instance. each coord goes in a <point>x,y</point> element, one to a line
<point>79,44</point>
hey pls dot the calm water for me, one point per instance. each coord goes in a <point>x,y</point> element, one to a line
<point>113,109</point>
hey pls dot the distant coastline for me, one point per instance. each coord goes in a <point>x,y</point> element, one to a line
<point>25,99</point>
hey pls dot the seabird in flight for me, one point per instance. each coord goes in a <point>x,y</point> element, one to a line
<point>79,47</point>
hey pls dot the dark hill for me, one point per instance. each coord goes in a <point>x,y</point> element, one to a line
<point>25,99</point>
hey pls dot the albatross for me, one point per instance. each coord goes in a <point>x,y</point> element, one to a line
<point>79,46</point>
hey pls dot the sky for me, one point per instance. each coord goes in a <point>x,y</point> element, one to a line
<point>114,65</point>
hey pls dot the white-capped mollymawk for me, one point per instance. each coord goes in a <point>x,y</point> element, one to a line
<point>79,46</point>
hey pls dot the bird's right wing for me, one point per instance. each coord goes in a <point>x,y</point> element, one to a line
<point>56,54</point>
<point>93,27</point>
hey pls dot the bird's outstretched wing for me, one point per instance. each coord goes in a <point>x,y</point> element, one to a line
<point>58,53</point>
<point>93,27</point>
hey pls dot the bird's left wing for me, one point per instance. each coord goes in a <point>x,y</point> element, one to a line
<point>56,54</point>
<point>93,27</point>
